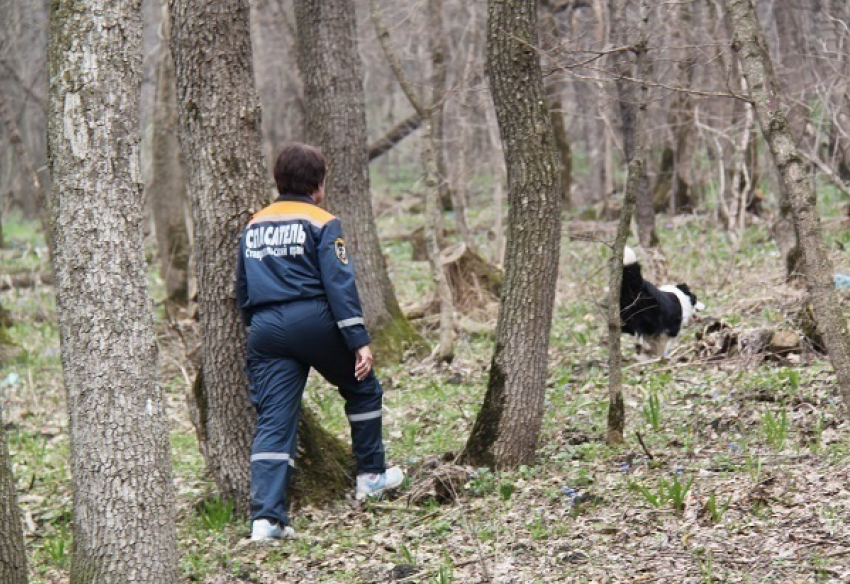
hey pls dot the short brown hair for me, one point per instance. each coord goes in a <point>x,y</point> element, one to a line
<point>299,169</point>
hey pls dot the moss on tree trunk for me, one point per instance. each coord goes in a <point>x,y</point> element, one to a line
<point>324,468</point>
<point>396,338</point>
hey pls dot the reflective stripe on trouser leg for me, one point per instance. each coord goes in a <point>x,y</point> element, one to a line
<point>276,389</point>
<point>270,478</point>
<point>363,409</point>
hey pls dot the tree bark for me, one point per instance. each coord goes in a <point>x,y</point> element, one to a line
<point>13,135</point>
<point>167,188</point>
<point>123,506</point>
<point>672,188</point>
<point>220,136</point>
<point>273,40</point>
<point>626,72</point>
<point>219,122</point>
<point>615,433</point>
<point>439,49</point>
<point>506,431</point>
<point>13,557</point>
<point>550,36</point>
<point>637,172</point>
<point>749,43</point>
<point>330,66</point>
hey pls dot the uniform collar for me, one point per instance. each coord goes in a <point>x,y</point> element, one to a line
<point>293,197</point>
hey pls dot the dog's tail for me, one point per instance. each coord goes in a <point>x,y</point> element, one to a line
<point>629,256</point>
<point>632,278</point>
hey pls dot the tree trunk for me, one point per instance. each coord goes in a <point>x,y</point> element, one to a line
<point>462,122</point>
<point>748,42</point>
<point>273,38</point>
<point>219,122</point>
<point>330,67</point>
<point>13,557</point>
<point>437,180</point>
<point>23,83</point>
<point>672,189</point>
<point>782,226</point>
<point>13,135</point>
<point>167,188</point>
<point>550,37</point>
<point>446,349</point>
<point>637,172</point>
<point>439,73</point>
<point>626,73</point>
<point>123,507</point>
<point>220,136</point>
<point>433,218</point>
<point>506,431</point>
<point>615,433</point>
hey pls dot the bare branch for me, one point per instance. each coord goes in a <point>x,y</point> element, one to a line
<point>392,58</point>
<point>394,135</point>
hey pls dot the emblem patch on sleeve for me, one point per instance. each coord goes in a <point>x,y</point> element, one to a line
<point>339,248</point>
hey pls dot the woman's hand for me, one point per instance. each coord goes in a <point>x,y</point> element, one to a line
<point>363,364</point>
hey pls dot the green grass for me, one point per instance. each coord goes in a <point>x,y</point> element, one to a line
<point>672,492</point>
<point>733,426</point>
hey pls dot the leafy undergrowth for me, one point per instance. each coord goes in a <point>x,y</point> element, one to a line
<point>736,466</point>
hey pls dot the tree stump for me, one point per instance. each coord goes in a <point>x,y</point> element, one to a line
<point>474,281</point>
<point>417,244</point>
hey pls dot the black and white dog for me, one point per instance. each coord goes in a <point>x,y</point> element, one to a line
<point>653,315</point>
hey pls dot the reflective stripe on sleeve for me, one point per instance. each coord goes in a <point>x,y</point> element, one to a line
<point>365,416</point>
<point>350,322</point>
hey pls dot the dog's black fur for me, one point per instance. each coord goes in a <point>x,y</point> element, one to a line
<point>654,315</point>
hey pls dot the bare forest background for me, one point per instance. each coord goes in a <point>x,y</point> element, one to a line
<point>704,147</point>
<point>488,236</point>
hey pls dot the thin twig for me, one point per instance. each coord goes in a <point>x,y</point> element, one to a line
<point>642,445</point>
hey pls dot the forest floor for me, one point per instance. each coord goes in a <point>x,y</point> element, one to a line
<point>743,474</point>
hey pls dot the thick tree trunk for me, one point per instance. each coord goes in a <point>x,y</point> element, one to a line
<point>220,136</point>
<point>748,41</point>
<point>219,120</point>
<point>13,557</point>
<point>330,67</point>
<point>167,188</point>
<point>123,508</point>
<point>506,431</point>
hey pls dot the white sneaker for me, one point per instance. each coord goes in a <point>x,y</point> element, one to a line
<point>372,485</point>
<point>265,530</point>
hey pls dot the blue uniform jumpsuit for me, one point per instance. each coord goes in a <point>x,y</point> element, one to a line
<point>296,291</point>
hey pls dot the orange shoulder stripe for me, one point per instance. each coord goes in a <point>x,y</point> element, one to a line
<point>291,211</point>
